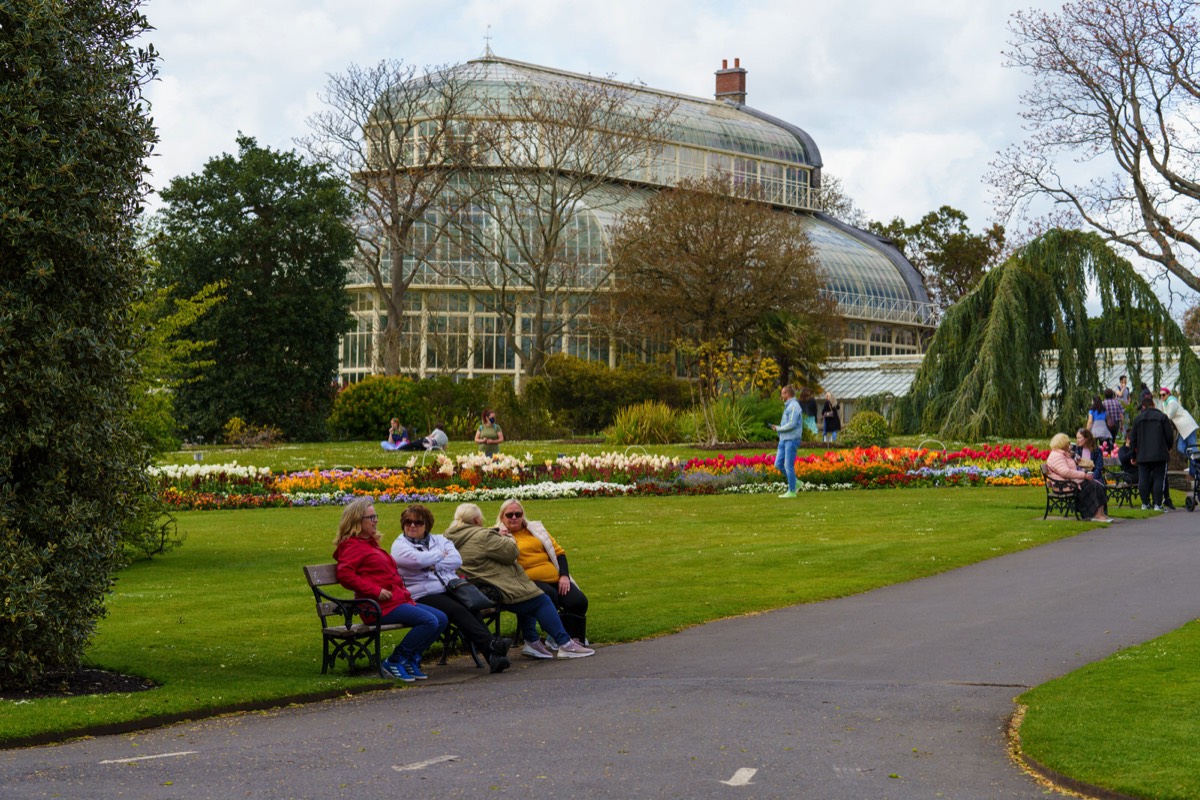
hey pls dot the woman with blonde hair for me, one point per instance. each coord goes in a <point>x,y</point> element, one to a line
<point>1060,466</point>
<point>489,555</point>
<point>545,562</point>
<point>831,419</point>
<point>368,570</point>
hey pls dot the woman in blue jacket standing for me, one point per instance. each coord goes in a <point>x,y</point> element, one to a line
<point>790,428</point>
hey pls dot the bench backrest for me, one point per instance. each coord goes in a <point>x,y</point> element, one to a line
<point>319,575</point>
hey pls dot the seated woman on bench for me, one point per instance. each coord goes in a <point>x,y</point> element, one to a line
<point>545,562</point>
<point>1092,500</point>
<point>368,570</point>
<point>427,562</point>
<point>490,556</point>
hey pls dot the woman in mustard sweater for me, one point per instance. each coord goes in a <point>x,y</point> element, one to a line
<point>545,562</point>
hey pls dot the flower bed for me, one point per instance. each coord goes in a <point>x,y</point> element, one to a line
<point>478,478</point>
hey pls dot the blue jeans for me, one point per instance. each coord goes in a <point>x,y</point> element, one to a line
<point>536,611</point>
<point>785,461</point>
<point>1183,444</point>
<point>425,623</point>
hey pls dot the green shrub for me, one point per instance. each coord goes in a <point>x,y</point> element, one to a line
<point>72,462</point>
<point>728,421</point>
<point>364,410</point>
<point>240,433</point>
<point>584,396</point>
<point>645,423</point>
<point>761,413</point>
<point>866,429</point>
<point>525,415</point>
<point>456,404</point>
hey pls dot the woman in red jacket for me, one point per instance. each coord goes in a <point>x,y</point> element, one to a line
<point>368,570</point>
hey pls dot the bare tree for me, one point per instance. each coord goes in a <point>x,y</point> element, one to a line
<point>396,134</point>
<point>1115,89</point>
<point>555,154</point>
<point>838,204</point>
<point>711,267</point>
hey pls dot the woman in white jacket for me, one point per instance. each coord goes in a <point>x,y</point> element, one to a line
<point>427,562</point>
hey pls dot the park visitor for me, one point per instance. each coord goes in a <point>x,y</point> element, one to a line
<point>397,436</point>
<point>1093,499</point>
<point>808,411</point>
<point>368,570</point>
<point>488,435</point>
<point>1097,422</point>
<point>545,562</point>
<point>1115,416</point>
<point>436,440</point>
<point>1087,455</point>
<point>1123,393</point>
<point>789,430</point>
<point>1150,437</point>
<point>428,562</point>
<point>490,557</point>
<point>832,419</point>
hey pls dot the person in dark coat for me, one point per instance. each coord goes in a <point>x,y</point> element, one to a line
<point>1150,436</point>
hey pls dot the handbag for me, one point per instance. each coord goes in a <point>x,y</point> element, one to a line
<point>468,594</point>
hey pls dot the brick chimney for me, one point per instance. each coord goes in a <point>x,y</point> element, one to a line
<point>731,83</point>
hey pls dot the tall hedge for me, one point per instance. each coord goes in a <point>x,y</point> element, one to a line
<point>73,136</point>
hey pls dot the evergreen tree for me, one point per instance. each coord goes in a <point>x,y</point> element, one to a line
<point>271,228</point>
<point>982,374</point>
<point>72,469</point>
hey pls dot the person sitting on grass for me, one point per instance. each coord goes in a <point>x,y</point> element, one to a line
<point>1092,501</point>
<point>397,436</point>
<point>428,562</point>
<point>368,570</point>
<point>490,557</point>
<point>436,440</point>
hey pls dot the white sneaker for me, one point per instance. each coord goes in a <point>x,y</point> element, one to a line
<point>574,649</point>
<point>536,649</point>
<point>550,644</point>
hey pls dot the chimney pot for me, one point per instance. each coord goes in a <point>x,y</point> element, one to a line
<point>724,63</point>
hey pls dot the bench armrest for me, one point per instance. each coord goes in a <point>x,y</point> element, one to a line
<point>348,607</point>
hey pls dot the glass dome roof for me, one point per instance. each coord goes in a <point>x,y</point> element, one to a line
<point>710,124</point>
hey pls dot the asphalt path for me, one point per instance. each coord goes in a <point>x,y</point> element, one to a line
<point>903,692</point>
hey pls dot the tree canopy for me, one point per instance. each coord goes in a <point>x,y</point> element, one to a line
<point>272,229</point>
<point>982,373</point>
<point>945,252</point>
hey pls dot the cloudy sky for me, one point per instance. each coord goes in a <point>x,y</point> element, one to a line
<point>907,101</point>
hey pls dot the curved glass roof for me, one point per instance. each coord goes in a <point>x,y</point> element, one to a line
<point>704,123</point>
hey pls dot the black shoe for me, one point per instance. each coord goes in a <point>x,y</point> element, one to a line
<point>498,658</point>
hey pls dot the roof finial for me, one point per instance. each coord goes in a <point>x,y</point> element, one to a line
<point>487,44</point>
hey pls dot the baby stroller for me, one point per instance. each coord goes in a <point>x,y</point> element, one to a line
<point>1193,457</point>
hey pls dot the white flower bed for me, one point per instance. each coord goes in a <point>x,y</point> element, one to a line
<point>781,487</point>
<point>189,471</point>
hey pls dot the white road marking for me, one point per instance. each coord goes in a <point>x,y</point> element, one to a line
<point>427,763</point>
<point>147,758</point>
<point>741,777</point>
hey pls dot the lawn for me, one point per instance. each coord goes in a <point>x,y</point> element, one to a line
<point>1127,723</point>
<point>227,620</point>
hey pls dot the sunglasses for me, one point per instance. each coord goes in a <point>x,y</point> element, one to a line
<point>514,515</point>
<point>370,516</point>
<point>408,522</point>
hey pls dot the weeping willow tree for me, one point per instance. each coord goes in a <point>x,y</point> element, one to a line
<point>982,373</point>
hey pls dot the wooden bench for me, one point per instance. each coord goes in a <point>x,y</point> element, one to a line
<point>1060,495</point>
<point>344,636</point>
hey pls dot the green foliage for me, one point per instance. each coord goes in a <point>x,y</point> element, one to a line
<point>166,357</point>
<point>273,228</point>
<point>239,433</point>
<point>723,420</point>
<point>650,422</point>
<point>882,404</point>
<point>456,404</point>
<point>760,413</point>
<point>866,429</point>
<point>585,395</point>
<point>364,410</point>
<point>945,252</point>
<point>72,475</point>
<point>982,375</point>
